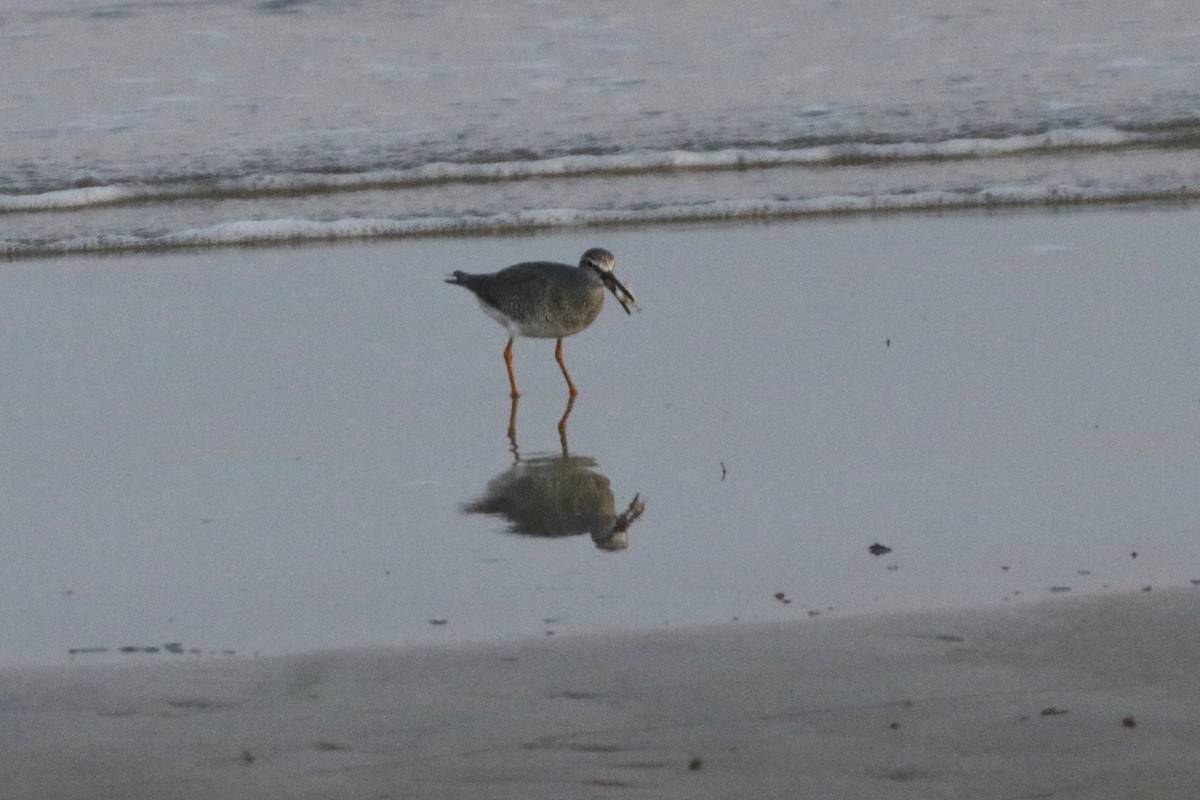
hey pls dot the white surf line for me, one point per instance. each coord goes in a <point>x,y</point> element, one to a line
<point>281,231</point>
<point>575,166</point>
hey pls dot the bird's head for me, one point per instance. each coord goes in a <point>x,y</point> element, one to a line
<point>602,261</point>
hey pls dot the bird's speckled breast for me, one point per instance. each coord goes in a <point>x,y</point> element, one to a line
<point>544,300</point>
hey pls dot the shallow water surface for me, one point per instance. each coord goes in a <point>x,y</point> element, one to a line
<point>264,450</point>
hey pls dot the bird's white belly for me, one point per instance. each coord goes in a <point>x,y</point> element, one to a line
<point>512,327</point>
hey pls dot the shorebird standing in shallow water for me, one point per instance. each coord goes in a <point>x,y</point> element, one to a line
<point>545,300</point>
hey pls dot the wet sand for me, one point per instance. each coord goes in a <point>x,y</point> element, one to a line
<point>271,451</point>
<point>1065,698</point>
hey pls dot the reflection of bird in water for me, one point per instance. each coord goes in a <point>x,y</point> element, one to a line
<point>555,496</point>
<point>546,300</point>
<point>562,426</point>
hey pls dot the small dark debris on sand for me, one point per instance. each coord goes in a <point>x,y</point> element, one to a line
<point>85,651</point>
<point>696,764</point>
<point>940,637</point>
<point>1052,711</point>
<point>1129,722</point>
<point>326,746</point>
<point>438,621</point>
<point>782,597</point>
<point>174,648</point>
<point>878,549</point>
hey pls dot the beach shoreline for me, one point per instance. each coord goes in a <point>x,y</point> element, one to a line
<point>1063,697</point>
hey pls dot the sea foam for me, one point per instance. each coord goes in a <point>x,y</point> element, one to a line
<point>741,158</point>
<point>294,230</point>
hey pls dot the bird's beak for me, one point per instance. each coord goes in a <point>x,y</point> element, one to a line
<point>623,295</point>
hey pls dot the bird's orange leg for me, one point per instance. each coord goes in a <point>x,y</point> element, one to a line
<point>512,429</point>
<point>558,357</point>
<point>512,381</point>
<point>562,425</point>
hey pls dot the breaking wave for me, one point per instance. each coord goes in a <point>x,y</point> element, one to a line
<point>727,158</point>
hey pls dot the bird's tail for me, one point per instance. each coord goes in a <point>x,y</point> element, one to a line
<point>456,277</point>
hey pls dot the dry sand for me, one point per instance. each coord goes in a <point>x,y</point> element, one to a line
<point>1092,698</point>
